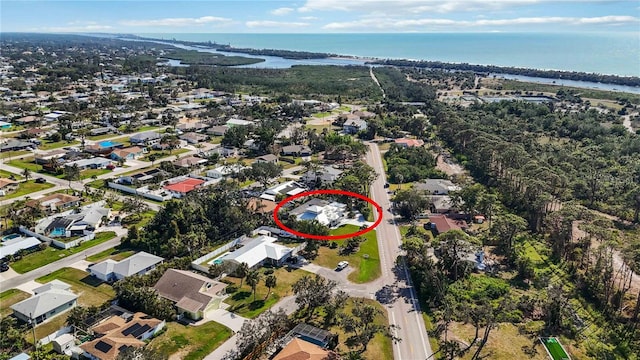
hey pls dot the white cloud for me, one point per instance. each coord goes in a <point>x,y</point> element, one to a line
<point>282,11</point>
<point>77,27</point>
<point>308,18</point>
<point>423,6</point>
<point>176,21</point>
<point>280,24</point>
<point>403,24</point>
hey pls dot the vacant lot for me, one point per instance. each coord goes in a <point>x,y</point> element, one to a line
<point>115,253</point>
<point>242,302</point>
<point>366,269</point>
<point>51,254</point>
<point>10,297</point>
<point>28,187</point>
<point>190,342</point>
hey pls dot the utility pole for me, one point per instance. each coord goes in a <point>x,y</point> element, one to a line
<point>33,329</point>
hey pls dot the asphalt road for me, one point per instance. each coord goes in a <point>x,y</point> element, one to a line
<point>401,302</point>
<point>66,262</point>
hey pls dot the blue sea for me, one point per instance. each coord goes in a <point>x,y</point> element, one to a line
<point>604,53</point>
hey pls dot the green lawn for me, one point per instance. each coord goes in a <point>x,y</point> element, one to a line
<point>91,290</point>
<point>9,154</point>
<point>50,254</point>
<point>7,174</point>
<point>365,269</point>
<point>242,301</point>
<point>10,297</point>
<point>164,154</point>
<point>48,145</point>
<point>115,253</point>
<point>87,174</point>
<point>25,163</point>
<point>555,349</point>
<point>28,187</point>
<point>191,342</point>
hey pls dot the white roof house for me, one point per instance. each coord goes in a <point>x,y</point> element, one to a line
<point>288,188</point>
<point>436,186</point>
<point>326,214</point>
<point>45,304</point>
<point>138,264</point>
<point>53,284</point>
<point>14,245</point>
<point>224,170</point>
<point>238,122</point>
<point>257,251</point>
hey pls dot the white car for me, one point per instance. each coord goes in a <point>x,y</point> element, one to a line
<point>342,265</point>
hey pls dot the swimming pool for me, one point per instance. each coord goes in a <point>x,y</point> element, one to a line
<point>10,236</point>
<point>58,232</point>
<point>107,143</point>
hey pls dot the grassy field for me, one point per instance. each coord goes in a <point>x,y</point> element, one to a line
<point>190,342</point>
<point>9,154</point>
<point>242,301</point>
<point>10,297</point>
<point>380,347</point>
<point>505,342</point>
<point>50,254</point>
<point>164,154</point>
<point>555,349</point>
<point>28,187</point>
<point>7,174</point>
<point>91,290</point>
<point>25,163</point>
<point>365,269</point>
<point>115,253</point>
<point>87,174</point>
<point>48,145</point>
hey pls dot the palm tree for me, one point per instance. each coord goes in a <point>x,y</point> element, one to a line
<point>242,271</point>
<point>253,278</point>
<point>153,158</point>
<point>270,282</point>
<point>26,173</point>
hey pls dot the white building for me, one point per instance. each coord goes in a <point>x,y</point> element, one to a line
<point>257,252</point>
<point>288,188</point>
<point>224,171</point>
<point>138,264</point>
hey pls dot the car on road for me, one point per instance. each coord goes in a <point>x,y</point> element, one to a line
<point>41,180</point>
<point>342,265</point>
<point>4,267</point>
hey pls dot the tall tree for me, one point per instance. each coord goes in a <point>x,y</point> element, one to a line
<point>72,173</point>
<point>242,271</point>
<point>270,281</point>
<point>253,279</point>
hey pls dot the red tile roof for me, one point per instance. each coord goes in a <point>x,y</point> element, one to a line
<point>184,186</point>
<point>410,142</point>
<point>444,223</point>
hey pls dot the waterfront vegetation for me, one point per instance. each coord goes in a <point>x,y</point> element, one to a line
<point>193,57</point>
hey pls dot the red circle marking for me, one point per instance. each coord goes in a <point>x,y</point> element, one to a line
<point>327,192</point>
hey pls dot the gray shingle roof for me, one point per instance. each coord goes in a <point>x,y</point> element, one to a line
<point>44,302</point>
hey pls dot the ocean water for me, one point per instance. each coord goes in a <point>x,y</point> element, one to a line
<point>604,53</point>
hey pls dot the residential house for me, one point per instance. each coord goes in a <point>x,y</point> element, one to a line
<point>354,125</point>
<point>138,264</point>
<point>225,170</point>
<point>326,175</point>
<point>14,145</point>
<point>269,158</point>
<point>77,223</point>
<point>288,188</point>
<point>102,130</point>
<point>125,154</point>
<point>91,163</point>
<point>227,151</point>
<point>189,162</point>
<point>15,244</point>
<point>145,138</point>
<point>194,295</point>
<point>238,122</point>
<point>441,204</point>
<point>296,150</point>
<point>217,130</point>
<point>405,143</point>
<point>441,223</point>
<point>327,213</point>
<point>50,300</point>
<point>257,252</point>
<point>298,348</point>
<point>251,144</point>
<point>46,157</point>
<point>436,186</point>
<point>364,114</point>
<point>28,121</point>
<point>54,202</point>
<point>120,332</point>
<point>193,138</point>
<point>54,116</point>
<point>197,127</point>
<point>182,188</point>
<point>103,147</point>
<point>8,186</point>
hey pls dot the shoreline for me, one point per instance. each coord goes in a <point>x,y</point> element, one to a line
<point>632,82</point>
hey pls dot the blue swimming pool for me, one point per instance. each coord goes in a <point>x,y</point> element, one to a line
<point>58,232</point>
<point>107,143</point>
<point>11,236</point>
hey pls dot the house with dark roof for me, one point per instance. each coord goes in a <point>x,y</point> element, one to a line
<point>50,300</point>
<point>354,125</point>
<point>138,264</point>
<point>193,137</point>
<point>296,150</point>
<point>269,158</point>
<point>194,295</point>
<point>54,202</point>
<point>217,130</point>
<point>76,223</point>
<point>118,333</point>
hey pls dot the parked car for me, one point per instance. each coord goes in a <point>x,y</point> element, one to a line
<point>342,265</point>
<point>386,185</point>
<point>41,180</point>
<point>4,267</point>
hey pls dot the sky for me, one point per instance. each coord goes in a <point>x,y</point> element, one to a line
<point>319,16</point>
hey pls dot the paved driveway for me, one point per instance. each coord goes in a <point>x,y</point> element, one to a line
<point>226,318</point>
